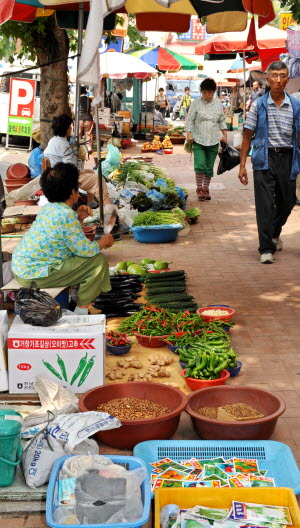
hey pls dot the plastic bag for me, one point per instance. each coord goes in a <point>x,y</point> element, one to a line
<point>35,162</point>
<point>126,217</point>
<point>36,307</point>
<point>157,199</point>
<point>96,491</point>
<point>112,160</point>
<point>229,158</point>
<point>65,434</point>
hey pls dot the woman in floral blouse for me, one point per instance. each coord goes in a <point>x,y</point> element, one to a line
<point>55,252</point>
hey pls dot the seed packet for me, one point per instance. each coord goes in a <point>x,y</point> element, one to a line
<point>215,514</point>
<point>214,477</point>
<point>202,483</point>
<point>261,513</point>
<point>244,478</point>
<point>246,465</point>
<point>210,461</point>
<point>166,463</point>
<point>227,467</point>
<point>210,470</point>
<point>173,474</point>
<point>260,482</point>
<point>235,482</point>
<point>194,475</point>
<point>190,521</point>
<point>261,473</point>
<point>186,463</point>
<point>160,483</point>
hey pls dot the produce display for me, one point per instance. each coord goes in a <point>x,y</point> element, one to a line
<point>214,312</point>
<point>206,365</point>
<point>211,473</point>
<point>117,339</point>
<point>149,218</point>
<point>192,214</point>
<point>167,144</point>
<point>141,268</point>
<point>168,290</point>
<point>141,202</point>
<point>156,143</point>
<point>132,409</point>
<point>119,301</point>
<point>146,147</point>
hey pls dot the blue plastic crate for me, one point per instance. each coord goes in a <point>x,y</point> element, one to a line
<point>275,457</point>
<point>156,234</point>
<point>128,462</point>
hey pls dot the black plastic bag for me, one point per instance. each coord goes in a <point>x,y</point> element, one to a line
<point>229,158</point>
<point>37,307</point>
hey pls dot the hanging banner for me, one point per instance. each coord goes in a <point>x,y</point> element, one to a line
<point>285,20</point>
<point>293,41</point>
<point>21,107</point>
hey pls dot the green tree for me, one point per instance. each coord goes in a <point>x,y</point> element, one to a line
<point>291,5</point>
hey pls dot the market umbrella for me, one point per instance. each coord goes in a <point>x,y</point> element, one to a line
<point>238,66</point>
<point>165,60</point>
<point>113,63</point>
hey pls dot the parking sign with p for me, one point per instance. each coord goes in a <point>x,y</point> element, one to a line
<point>21,107</point>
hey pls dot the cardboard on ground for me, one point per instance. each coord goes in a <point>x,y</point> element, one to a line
<point>225,416</point>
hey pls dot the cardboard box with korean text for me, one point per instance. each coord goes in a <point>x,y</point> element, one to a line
<point>3,350</point>
<point>71,353</point>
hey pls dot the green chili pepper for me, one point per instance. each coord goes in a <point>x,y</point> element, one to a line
<point>220,367</point>
<point>52,369</point>
<point>87,370</point>
<point>81,366</point>
<point>62,367</point>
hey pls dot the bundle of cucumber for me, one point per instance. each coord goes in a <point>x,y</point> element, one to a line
<point>168,290</point>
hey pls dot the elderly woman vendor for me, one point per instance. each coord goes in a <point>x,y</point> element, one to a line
<point>55,251</point>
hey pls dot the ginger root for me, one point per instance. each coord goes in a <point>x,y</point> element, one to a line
<point>129,362</point>
<point>157,371</point>
<point>160,359</point>
<point>115,373</point>
<point>139,376</point>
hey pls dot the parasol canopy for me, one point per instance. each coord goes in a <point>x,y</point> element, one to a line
<point>238,66</point>
<point>269,42</point>
<point>165,60</point>
<point>118,65</point>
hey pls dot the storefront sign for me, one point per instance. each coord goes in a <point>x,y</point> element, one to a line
<point>285,20</point>
<point>293,42</point>
<point>196,31</point>
<point>21,107</point>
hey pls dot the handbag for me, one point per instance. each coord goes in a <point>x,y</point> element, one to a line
<point>229,158</point>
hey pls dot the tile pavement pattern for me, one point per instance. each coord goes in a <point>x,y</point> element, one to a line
<point>222,264</point>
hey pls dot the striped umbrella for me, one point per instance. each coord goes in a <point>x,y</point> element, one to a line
<point>165,60</point>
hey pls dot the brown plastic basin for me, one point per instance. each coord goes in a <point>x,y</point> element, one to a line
<point>267,403</point>
<point>18,171</point>
<point>134,431</point>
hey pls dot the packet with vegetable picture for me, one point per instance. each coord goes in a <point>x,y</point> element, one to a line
<point>261,513</point>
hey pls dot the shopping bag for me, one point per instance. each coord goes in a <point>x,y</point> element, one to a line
<point>229,158</point>
<point>37,307</point>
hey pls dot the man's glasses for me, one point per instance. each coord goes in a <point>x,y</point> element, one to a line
<point>282,76</point>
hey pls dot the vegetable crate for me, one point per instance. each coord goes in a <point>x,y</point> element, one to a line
<point>276,457</point>
<point>223,497</point>
<point>129,463</point>
<point>70,353</point>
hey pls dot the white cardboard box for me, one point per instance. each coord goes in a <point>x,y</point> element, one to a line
<point>3,350</point>
<point>56,352</point>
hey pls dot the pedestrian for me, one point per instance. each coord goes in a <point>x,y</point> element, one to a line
<point>274,119</point>
<point>256,92</point>
<point>204,122</point>
<point>84,103</point>
<point>162,100</point>
<point>236,100</point>
<point>158,117</point>
<point>185,102</point>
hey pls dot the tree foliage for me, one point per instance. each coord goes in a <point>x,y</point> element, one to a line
<point>291,5</point>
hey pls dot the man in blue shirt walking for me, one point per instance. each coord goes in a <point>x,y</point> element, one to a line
<point>274,119</point>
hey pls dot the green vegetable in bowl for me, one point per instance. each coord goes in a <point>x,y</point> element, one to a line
<point>193,213</point>
<point>146,261</point>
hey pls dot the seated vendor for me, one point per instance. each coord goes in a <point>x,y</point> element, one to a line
<point>158,117</point>
<point>59,149</point>
<point>55,252</point>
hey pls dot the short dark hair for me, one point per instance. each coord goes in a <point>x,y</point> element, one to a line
<point>187,88</point>
<point>209,85</point>
<point>58,182</point>
<point>60,124</point>
<point>161,90</point>
<point>157,107</point>
<point>83,90</point>
<point>88,117</point>
<point>277,65</point>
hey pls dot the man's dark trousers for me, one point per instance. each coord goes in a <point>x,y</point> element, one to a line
<point>275,197</point>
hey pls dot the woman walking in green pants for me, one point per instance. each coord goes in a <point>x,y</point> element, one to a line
<point>55,252</point>
<point>204,122</point>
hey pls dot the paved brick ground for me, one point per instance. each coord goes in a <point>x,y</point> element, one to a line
<point>221,260</point>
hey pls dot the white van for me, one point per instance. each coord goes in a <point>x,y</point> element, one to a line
<point>5,76</point>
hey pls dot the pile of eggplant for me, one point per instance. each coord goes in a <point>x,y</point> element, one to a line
<point>119,301</point>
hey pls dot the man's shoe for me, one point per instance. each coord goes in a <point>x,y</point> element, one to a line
<point>279,243</point>
<point>266,258</point>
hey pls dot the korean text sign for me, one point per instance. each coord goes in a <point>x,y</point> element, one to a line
<point>21,107</point>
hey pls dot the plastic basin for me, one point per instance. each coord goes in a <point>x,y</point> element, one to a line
<point>230,313</point>
<point>269,404</point>
<point>89,232</point>
<point>196,384</point>
<point>25,202</point>
<point>18,171</point>
<point>118,350</point>
<point>171,347</point>
<point>156,234</point>
<point>134,431</point>
<point>151,341</point>
<point>236,370</point>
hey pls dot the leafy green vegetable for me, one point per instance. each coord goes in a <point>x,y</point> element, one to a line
<point>193,213</point>
<point>155,218</point>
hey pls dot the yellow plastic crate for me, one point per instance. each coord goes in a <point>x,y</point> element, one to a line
<point>223,497</point>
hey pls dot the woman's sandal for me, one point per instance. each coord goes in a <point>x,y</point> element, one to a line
<point>201,195</point>
<point>206,195</point>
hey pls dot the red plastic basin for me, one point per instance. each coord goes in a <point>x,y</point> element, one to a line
<point>90,232</point>
<point>267,403</point>
<point>134,431</point>
<point>196,384</point>
<point>151,341</point>
<point>18,171</point>
<point>226,317</point>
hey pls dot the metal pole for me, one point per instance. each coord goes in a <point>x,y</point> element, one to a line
<point>99,167</point>
<point>244,75</point>
<point>77,94</point>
